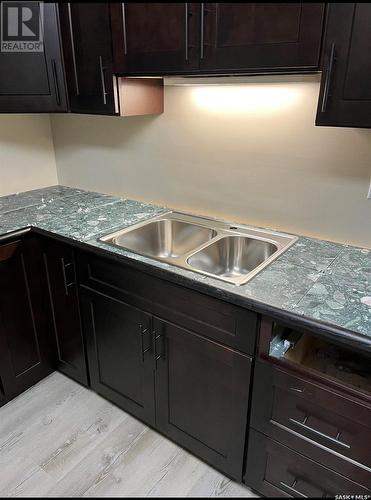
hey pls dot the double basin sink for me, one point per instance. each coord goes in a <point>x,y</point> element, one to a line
<point>234,254</point>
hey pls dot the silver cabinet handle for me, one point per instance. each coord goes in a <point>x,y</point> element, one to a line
<point>308,428</point>
<point>104,93</point>
<point>73,50</point>
<point>124,28</point>
<point>202,31</point>
<point>65,267</point>
<point>143,350</point>
<point>328,79</point>
<point>292,489</point>
<point>186,30</point>
<point>56,84</point>
<point>156,356</point>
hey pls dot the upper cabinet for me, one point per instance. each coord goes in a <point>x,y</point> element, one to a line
<point>155,38</point>
<point>32,75</point>
<point>345,95</point>
<point>207,38</point>
<point>92,86</point>
<point>260,37</point>
<point>88,57</point>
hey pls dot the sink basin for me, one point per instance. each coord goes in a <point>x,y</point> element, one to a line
<point>232,256</point>
<point>165,238</point>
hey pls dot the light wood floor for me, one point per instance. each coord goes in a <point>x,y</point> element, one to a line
<point>60,439</point>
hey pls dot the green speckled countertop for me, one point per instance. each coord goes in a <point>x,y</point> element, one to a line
<point>314,279</point>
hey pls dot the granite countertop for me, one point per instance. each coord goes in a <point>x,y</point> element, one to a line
<point>318,280</point>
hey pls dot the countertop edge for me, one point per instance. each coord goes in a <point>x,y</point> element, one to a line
<point>331,331</point>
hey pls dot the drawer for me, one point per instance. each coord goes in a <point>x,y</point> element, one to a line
<point>311,419</point>
<point>207,316</point>
<point>277,471</point>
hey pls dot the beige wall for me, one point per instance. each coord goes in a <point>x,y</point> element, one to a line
<point>248,152</point>
<point>27,158</point>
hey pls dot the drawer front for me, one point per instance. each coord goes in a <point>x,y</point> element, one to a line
<point>207,316</point>
<point>275,470</point>
<point>308,416</point>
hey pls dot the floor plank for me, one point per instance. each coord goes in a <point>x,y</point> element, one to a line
<point>60,439</point>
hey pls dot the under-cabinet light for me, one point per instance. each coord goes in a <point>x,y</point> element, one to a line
<point>245,98</point>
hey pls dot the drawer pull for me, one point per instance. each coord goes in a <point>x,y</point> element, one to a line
<point>292,489</point>
<point>304,425</point>
<point>296,389</point>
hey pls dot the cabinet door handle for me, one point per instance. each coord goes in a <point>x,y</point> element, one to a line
<point>326,88</point>
<point>67,284</point>
<point>143,350</point>
<point>2,391</point>
<point>203,44</point>
<point>202,30</point>
<point>73,50</point>
<point>124,28</point>
<point>292,489</point>
<point>56,85</point>
<point>186,30</point>
<point>104,93</point>
<point>156,356</point>
<point>308,428</point>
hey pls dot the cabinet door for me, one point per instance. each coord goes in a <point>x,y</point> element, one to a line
<point>24,316</point>
<point>86,35</point>
<point>202,392</point>
<point>256,37</point>
<point>60,266</point>
<point>33,82</point>
<point>345,95</point>
<point>155,38</point>
<point>119,344</point>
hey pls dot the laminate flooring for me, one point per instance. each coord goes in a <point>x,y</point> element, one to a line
<point>59,439</point>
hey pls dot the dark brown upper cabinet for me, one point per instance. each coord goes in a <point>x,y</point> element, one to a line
<point>260,37</point>
<point>209,38</point>
<point>33,82</point>
<point>92,86</point>
<point>345,95</point>
<point>88,57</point>
<point>155,38</point>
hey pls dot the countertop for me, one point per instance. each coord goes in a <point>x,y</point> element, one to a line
<point>327,283</point>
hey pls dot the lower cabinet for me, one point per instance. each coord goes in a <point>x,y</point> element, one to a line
<point>278,471</point>
<point>119,341</point>
<point>63,293</point>
<point>202,390</point>
<point>26,349</point>
<point>193,389</point>
<point>310,417</point>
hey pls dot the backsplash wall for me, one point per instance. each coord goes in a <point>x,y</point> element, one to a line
<point>27,158</point>
<point>248,152</point>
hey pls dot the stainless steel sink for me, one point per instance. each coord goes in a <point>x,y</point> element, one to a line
<point>232,256</point>
<point>164,238</point>
<point>214,248</point>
